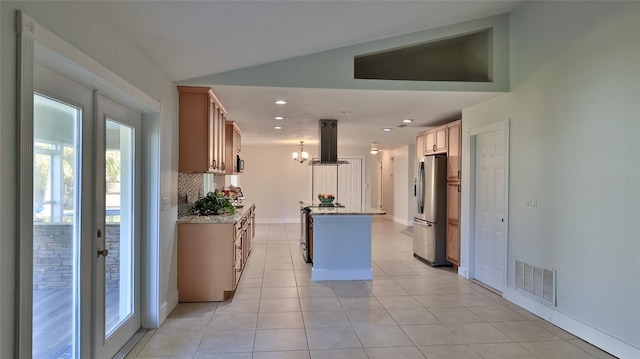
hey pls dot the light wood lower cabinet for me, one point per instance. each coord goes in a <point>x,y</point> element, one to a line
<point>211,257</point>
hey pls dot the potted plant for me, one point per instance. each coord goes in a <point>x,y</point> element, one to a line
<point>212,203</point>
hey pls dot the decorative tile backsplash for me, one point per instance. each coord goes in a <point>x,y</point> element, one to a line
<point>191,187</point>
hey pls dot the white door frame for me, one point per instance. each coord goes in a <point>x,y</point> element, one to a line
<point>467,236</point>
<point>36,44</point>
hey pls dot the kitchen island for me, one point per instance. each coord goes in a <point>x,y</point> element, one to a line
<point>342,243</point>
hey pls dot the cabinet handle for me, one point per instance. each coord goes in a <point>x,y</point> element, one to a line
<point>215,165</point>
<point>238,269</point>
<point>434,148</point>
<point>459,188</point>
<point>459,174</point>
<point>238,247</point>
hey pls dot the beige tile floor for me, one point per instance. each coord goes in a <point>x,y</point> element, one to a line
<point>409,310</point>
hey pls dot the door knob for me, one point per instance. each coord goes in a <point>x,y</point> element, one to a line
<point>103,252</point>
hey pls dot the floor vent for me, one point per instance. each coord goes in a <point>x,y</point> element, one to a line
<point>537,281</point>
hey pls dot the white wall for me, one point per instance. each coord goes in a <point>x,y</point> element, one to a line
<point>403,158</point>
<point>388,182</point>
<point>574,146</point>
<point>276,183</point>
<point>397,183</point>
<point>375,187</point>
<point>108,45</point>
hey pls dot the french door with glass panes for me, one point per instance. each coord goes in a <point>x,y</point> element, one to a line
<point>85,257</point>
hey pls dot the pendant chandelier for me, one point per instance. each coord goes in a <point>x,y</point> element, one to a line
<point>302,155</point>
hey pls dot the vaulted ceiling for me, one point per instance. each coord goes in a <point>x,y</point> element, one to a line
<point>193,41</point>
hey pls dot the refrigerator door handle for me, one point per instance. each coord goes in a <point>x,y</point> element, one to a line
<point>420,187</point>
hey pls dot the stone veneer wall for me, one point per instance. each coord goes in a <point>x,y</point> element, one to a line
<point>53,255</point>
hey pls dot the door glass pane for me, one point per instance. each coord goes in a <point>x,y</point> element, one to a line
<point>119,207</point>
<point>56,228</point>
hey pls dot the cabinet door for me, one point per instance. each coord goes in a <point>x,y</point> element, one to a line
<point>215,121</point>
<point>193,128</point>
<point>430,142</point>
<point>232,147</point>
<point>454,151</point>
<point>420,145</point>
<point>220,141</point>
<point>453,202</point>
<point>453,243</point>
<point>441,140</point>
<point>211,137</point>
<point>453,222</point>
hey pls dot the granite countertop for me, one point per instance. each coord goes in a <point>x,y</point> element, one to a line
<point>348,211</point>
<point>218,219</point>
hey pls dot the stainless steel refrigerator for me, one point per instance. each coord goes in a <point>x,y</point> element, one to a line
<point>429,222</point>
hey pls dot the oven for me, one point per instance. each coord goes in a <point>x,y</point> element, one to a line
<point>306,227</point>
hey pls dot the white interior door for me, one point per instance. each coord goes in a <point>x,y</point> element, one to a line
<point>350,183</point>
<point>117,288</point>
<point>344,181</point>
<point>325,181</point>
<point>489,232</point>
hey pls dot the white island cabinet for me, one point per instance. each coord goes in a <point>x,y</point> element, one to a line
<point>342,243</point>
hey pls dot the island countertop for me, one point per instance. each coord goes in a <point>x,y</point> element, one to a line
<point>348,211</point>
<point>217,219</point>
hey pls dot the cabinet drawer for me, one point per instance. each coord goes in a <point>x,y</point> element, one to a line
<point>237,270</point>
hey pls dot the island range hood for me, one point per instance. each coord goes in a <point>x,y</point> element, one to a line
<point>328,134</point>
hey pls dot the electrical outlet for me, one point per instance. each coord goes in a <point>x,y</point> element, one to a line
<point>531,203</point>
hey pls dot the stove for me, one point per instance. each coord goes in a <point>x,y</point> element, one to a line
<point>306,227</point>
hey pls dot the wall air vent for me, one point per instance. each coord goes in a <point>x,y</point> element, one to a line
<point>536,281</point>
<point>462,58</point>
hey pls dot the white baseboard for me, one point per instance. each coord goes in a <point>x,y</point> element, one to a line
<point>583,331</point>
<point>167,307</point>
<point>463,272</point>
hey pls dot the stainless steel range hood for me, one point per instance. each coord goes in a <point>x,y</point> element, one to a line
<point>328,134</point>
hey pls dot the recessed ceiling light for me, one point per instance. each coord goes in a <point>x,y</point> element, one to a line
<point>280,102</point>
<point>407,120</point>
<point>279,118</point>
<point>386,129</point>
<point>277,127</point>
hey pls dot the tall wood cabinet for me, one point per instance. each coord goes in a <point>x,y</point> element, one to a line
<point>201,131</point>
<point>454,176</point>
<point>233,144</point>
<point>447,139</point>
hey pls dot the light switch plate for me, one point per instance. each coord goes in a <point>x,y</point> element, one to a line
<point>531,203</point>
<point>165,203</point>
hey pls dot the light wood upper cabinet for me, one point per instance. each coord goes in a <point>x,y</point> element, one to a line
<point>454,151</point>
<point>436,141</point>
<point>201,131</point>
<point>420,144</point>
<point>233,147</point>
